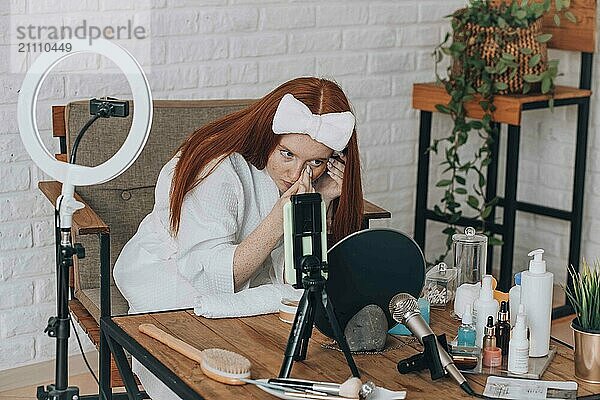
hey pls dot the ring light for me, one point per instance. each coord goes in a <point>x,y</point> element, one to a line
<point>78,175</point>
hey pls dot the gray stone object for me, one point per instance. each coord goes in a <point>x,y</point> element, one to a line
<point>367,329</point>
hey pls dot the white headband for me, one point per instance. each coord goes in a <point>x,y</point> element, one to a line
<point>331,129</point>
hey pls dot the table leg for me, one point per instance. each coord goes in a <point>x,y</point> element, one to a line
<point>124,369</point>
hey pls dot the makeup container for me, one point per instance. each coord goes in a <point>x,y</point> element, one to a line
<point>465,362</point>
<point>492,357</point>
<point>470,255</point>
<point>287,310</point>
<point>440,285</point>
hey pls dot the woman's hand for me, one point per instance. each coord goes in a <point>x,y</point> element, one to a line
<point>302,185</point>
<point>330,183</point>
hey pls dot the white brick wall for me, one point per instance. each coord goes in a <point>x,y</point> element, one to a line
<point>245,48</point>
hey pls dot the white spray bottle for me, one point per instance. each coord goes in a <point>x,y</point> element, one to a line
<point>484,307</point>
<point>536,296</point>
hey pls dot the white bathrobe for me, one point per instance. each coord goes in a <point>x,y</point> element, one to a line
<point>158,272</point>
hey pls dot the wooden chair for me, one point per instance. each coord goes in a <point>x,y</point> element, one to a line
<point>114,209</point>
<point>578,37</point>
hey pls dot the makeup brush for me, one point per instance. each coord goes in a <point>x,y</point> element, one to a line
<point>348,389</point>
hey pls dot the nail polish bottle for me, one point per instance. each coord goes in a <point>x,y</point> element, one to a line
<point>466,332</point>
<point>503,328</point>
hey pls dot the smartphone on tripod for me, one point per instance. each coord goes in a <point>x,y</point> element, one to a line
<point>304,234</point>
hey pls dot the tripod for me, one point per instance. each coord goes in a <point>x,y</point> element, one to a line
<point>58,327</point>
<point>306,215</point>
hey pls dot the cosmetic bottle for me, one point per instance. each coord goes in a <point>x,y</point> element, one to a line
<point>489,337</point>
<point>503,328</point>
<point>536,296</point>
<point>466,332</point>
<point>514,297</point>
<point>484,307</point>
<point>518,347</point>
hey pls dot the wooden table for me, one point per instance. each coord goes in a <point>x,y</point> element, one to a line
<point>262,339</point>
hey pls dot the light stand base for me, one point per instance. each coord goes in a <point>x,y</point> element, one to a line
<point>51,393</point>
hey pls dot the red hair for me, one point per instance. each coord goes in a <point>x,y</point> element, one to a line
<point>249,133</point>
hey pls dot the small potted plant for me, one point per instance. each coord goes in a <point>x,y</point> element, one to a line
<point>584,296</point>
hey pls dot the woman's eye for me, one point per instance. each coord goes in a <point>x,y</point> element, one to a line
<point>316,163</point>
<point>287,154</point>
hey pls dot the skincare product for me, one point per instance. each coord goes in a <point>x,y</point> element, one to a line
<point>466,332</point>
<point>484,307</point>
<point>466,294</point>
<point>503,328</point>
<point>492,357</point>
<point>465,362</point>
<point>536,296</point>
<point>514,297</point>
<point>518,347</point>
<point>287,310</point>
<point>489,338</point>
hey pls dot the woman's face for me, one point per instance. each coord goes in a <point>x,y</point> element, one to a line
<point>293,153</point>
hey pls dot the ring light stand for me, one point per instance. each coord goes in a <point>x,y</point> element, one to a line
<point>72,175</point>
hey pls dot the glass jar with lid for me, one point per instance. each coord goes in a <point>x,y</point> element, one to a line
<point>470,255</point>
<point>440,285</point>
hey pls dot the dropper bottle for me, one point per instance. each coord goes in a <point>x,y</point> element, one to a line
<point>503,328</point>
<point>489,338</point>
<point>466,332</point>
<point>492,355</point>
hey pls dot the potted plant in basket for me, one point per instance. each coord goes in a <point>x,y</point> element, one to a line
<point>496,47</point>
<point>584,296</point>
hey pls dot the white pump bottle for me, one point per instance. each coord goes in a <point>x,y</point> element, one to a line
<point>536,296</point>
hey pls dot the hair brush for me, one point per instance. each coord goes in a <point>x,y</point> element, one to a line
<point>218,364</point>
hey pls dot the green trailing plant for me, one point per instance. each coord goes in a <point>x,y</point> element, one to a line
<point>584,295</point>
<point>471,76</point>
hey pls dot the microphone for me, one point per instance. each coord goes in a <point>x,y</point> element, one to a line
<point>405,310</point>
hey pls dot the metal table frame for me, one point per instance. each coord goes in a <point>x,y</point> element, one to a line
<point>115,341</point>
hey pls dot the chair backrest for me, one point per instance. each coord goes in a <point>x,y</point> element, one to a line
<point>123,202</point>
<point>580,36</point>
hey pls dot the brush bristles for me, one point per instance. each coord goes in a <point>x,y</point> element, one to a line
<point>225,366</point>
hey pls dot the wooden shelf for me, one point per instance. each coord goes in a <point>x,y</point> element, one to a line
<point>508,107</point>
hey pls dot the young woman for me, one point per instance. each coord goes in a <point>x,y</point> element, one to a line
<point>217,221</point>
